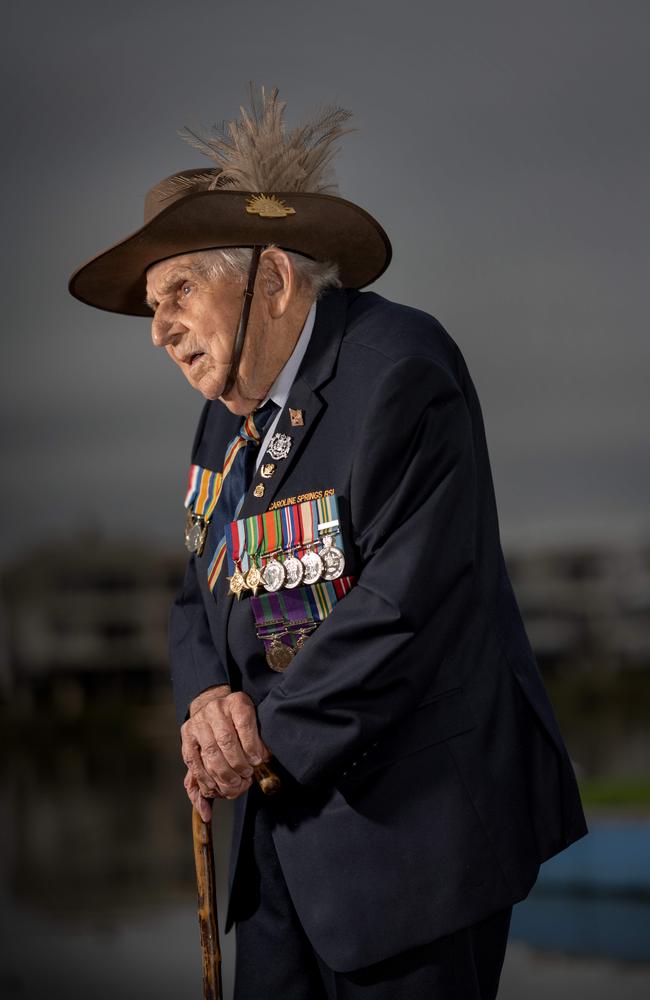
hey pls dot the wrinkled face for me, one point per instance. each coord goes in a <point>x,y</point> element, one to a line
<point>195,320</point>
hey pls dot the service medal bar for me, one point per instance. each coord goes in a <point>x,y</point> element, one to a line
<point>285,620</point>
<point>289,545</point>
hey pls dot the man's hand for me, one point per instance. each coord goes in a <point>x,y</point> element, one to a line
<point>220,746</point>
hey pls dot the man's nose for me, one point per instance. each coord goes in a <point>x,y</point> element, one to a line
<point>165,330</point>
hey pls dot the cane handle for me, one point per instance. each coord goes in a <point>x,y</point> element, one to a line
<point>267,779</point>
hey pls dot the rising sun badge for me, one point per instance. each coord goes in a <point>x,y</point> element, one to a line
<point>268,206</point>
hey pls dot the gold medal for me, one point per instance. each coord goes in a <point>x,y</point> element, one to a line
<point>253,578</point>
<point>237,582</point>
<point>278,656</point>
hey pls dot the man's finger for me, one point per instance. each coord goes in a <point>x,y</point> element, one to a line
<point>203,806</point>
<point>221,751</point>
<point>215,768</point>
<point>200,803</point>
<point>219,717</point>
<point>244,720</point>
<point>191,752</point>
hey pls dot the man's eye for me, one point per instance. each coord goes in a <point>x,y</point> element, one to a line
<point>186,288</point>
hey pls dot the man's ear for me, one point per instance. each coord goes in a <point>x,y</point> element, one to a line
<point>276,280</point>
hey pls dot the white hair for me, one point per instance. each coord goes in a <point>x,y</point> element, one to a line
<point>234,262</point>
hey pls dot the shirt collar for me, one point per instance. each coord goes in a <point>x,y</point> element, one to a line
<point>279,391</point>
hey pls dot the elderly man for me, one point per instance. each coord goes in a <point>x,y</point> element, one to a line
<point>346,608</point>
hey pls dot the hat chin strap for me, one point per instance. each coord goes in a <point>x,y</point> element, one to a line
<point>243,322</point>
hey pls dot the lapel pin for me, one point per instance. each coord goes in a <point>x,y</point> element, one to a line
<point>280,446</point>
<point>267,470</point>
<point>297,418</point>
<point>259,490</point>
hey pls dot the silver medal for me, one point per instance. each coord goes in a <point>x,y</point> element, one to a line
<point>280,446</point>
<point>294,570</point>
<point>273,575</point>
<point>313,567</point>
<point>196,530</point>
<point>333,562</point>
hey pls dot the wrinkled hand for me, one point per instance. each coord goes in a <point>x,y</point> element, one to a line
<point>220,746</point>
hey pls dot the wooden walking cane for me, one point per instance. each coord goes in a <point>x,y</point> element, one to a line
<point>206,886</point>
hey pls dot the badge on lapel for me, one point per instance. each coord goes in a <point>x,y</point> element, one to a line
<point>280,446</point>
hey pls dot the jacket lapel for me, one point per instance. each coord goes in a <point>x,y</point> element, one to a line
<point>316,369</point>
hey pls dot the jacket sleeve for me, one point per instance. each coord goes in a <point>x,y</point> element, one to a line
<point>193,659</point>
<point>192,656</point>
<point>412,504</point>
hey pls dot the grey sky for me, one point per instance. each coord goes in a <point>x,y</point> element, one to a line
<point>504,147</point>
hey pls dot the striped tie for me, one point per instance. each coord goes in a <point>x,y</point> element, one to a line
<point>236,476</point>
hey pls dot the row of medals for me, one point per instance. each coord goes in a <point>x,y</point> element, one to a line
<point>292,571</point>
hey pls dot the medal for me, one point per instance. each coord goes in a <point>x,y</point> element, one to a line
<point>273,575</point>
<point>294,570</point>
<point>237,582</point>
<point>302,637</point>
<point>312,565</point>
<point>196,530</point>
<point>285,620</point>
<point>267,470</point>
<point>278,656</point>
<point>280,446</point>
<point>203,491</point>
<point>333,559</point>
<point>253,578</point>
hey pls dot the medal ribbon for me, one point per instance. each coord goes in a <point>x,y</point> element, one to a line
<point>204,485</point>
<point>288,610</point>
<point>304,604</point>
<point>285,528</point>
<point>253,535</point>
<point>291,528</point>
<point>283,607</point>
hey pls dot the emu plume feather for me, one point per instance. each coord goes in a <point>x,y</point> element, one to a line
<point>258,153</point>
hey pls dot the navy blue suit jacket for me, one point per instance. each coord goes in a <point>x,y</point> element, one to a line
<point>425,777</point>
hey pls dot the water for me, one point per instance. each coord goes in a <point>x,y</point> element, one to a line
<point>594,898</point>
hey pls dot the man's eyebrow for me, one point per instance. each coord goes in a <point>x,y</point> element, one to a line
<point>172,279</point>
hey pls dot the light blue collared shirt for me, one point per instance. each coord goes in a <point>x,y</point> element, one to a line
<point>279,391</point>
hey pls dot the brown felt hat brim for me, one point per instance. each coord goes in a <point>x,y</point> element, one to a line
<point>324,227</point>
